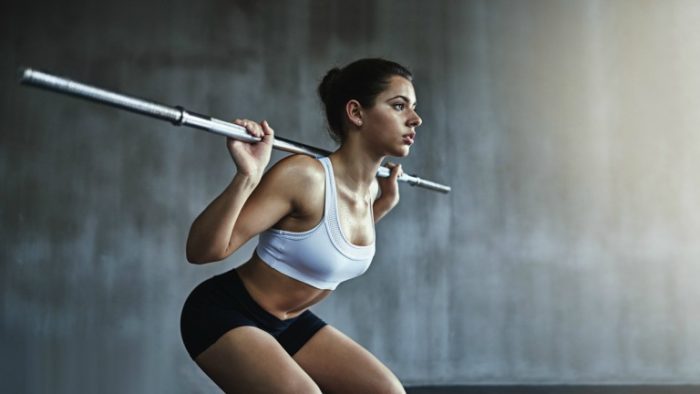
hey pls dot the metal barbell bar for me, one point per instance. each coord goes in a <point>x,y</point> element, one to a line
<point>179,116</point>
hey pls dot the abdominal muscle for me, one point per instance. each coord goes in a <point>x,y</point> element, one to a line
<point>280,295</point>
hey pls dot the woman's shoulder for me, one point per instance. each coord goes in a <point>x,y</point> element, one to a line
<point>301,179</point>
<point>300,169</point>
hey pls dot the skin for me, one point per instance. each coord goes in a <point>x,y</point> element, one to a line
<point>290,196</point>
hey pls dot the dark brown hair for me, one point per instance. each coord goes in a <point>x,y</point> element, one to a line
<point>361,80</point>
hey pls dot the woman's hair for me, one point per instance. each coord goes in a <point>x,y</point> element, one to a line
<point>361,80</point>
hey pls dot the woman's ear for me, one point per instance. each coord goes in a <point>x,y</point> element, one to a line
<point>353,110</point>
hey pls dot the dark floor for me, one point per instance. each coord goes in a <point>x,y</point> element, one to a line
<point>554,390</point>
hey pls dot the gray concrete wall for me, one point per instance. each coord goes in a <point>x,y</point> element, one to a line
<point>567,251</point>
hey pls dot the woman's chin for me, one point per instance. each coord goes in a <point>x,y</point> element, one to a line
<point>406,149</point>
<point>400,151</point>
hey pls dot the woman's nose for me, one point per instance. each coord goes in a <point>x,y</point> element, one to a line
<point>416,120</point>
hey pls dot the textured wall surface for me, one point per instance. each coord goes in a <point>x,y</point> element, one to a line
<point>567,251</point>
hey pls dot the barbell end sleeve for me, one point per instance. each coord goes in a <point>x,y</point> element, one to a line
<point>22,74</point>
<point>413,180</point>
<point>432,186</point>
<point>417,181</point>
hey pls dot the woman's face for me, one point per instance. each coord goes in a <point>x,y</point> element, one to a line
<point>390,125</point>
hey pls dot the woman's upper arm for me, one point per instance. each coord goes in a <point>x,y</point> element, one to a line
<point>281,190</point>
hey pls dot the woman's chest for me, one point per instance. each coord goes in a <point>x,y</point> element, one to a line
<point>356,220</point>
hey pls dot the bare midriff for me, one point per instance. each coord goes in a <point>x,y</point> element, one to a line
<point>280,295</point>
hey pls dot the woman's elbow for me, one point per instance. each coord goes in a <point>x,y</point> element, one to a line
<point>194,259</point>
<point>191,252</point>
<point>202,254</point>
<point>199,256</point>
<point>194,249</point>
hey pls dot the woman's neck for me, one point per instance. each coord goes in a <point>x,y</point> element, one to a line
<point>356,168</point>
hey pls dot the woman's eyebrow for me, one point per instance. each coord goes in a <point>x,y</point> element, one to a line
<point>404,98</point>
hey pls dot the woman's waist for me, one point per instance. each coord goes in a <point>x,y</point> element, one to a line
<point>280,295</point>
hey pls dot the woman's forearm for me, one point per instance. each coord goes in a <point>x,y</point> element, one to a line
<point>211,232</point>
<point>382,206</point>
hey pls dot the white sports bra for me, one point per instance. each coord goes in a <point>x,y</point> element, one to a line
<point>321,257</point>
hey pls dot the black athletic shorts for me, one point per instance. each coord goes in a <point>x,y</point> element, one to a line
<point>222,303</point>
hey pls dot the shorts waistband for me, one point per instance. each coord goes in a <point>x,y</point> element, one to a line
<point>252,307</point>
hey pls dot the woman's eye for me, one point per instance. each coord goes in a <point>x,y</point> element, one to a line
<point>399,106</point>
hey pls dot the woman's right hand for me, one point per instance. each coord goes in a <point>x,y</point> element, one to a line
<point>252,158</point>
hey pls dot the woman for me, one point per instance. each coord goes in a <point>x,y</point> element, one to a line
<point>250,329</point>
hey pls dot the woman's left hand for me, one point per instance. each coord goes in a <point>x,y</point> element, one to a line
<point>390,187</point>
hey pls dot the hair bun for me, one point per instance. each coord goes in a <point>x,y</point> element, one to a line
<point>325,88</point>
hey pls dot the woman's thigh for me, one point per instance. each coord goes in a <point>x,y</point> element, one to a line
<point>249,360</point>
<point>339,365</point>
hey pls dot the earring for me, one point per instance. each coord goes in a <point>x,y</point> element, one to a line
<point>358,123</point>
